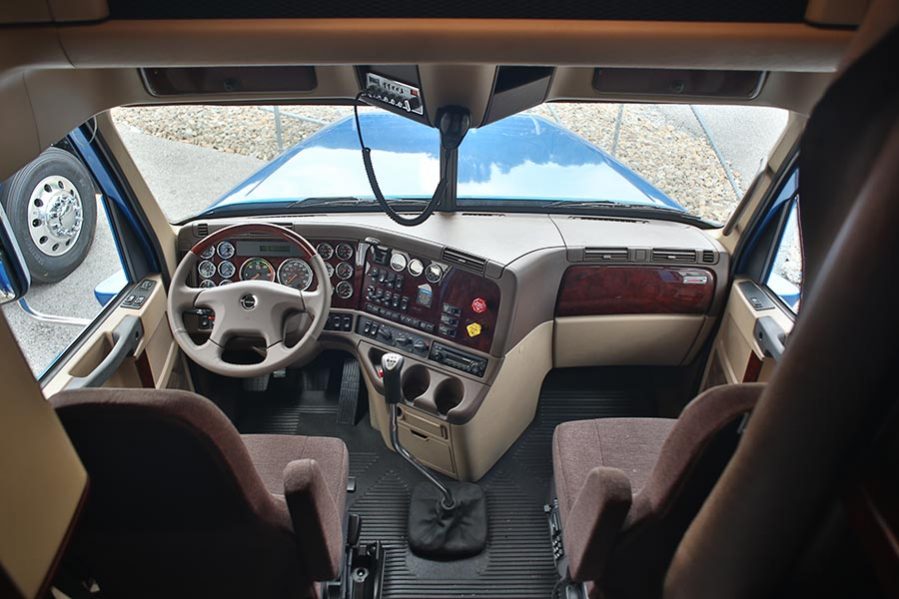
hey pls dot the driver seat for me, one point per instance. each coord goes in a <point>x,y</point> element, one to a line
<point>181,505</point>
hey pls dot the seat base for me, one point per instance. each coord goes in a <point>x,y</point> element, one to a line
<point>438,534</point>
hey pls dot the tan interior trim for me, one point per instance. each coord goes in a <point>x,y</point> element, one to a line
<point>768,46</point>
<point>43,480</point>
<point>508,408</point>
<point>164,231</point>
<point>153,318</point>
<point>735,341</point>
<point>621,340</point>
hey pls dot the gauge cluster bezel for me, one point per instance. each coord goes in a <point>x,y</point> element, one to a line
<point>339,256</point>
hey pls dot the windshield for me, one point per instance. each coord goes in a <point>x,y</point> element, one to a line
<point>693,160</point>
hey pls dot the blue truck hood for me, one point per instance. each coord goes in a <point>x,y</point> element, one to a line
<point>522,157</point>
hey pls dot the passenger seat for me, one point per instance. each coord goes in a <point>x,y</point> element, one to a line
<point>627,488</point>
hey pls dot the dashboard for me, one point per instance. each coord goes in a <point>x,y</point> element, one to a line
<point>482,306</point>
<point>459,294</point>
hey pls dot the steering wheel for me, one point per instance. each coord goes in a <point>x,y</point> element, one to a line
<point>252,308</point>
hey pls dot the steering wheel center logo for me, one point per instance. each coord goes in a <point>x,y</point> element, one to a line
<point>248,302</point>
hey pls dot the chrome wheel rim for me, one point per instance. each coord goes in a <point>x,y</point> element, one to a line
<point>55,216</point>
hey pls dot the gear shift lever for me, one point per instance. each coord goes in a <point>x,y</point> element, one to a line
<point>392,365</point>
<point>451,524</point>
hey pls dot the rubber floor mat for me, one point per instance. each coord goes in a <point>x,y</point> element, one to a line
<point>518,560</point>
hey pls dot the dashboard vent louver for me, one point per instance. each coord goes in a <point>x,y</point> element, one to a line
<point>611,219</point>
<point>201,230</point>
<point>465,260</point>
<point>708,256</point>
<point>605,254</point>
<point>488,214</point>
<point>288,226</point>
<point>664,255</point>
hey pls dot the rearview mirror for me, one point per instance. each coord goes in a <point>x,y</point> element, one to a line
<point>14,276</point>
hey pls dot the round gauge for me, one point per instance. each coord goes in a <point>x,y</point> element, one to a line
<point>226,269</point>
<point>330,269</point>
<point>225,282</point>
<point>416,267</point>
<point>226,250</point>
<point>344,271</point>
<point>206,269</point>
<point>344,251</point>
<point>344,290</point>
<point>206,284</point>
<point>398,262</point>
<point>295,273</point>
<point>325,250</point>
<point>257,269</point>
<point>208,253</point>
<point>433,273</point>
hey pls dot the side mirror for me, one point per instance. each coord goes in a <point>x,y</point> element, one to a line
<point>14,276</point>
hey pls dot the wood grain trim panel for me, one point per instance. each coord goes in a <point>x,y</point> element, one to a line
<point>600,290</point>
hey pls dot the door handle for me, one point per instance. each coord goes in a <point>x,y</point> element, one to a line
<point>125,337</point>
<point>770,336</point>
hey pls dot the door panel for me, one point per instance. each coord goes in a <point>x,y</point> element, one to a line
<point>153,360</point>
<point>738,355</point>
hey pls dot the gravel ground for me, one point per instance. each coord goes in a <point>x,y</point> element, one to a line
<point>661,143</point>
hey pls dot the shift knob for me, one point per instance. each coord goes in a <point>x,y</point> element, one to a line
<point>392,365</point>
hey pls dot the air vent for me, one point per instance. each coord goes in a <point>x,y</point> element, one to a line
<point>288,225</point>
<point>201,230</point>
<point>708,256</point>
<point>605,254</point>
<point>490,214</point>
<point>466,260</point>
<point>663,255</point>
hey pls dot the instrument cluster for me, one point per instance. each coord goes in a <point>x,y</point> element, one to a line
<point>270,260</point>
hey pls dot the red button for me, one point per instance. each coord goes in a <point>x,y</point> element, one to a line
<point>479,305</point>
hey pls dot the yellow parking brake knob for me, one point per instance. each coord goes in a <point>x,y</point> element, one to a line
<point>474,329</point>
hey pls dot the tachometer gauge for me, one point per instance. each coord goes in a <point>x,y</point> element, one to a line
<point>257,269</point>
<point>226,269</point>
<point>208,253</point>
<point>206,284</point>
<point>344,271</point>
<point>398,262</point>
<point>295,273</point>
<point>325,250</point>
<point>344,251</point>
<point>416,267</point>
<point>226,250</point>
<point>330,269</point>
<point>206,269</point>
<point>344,290</point>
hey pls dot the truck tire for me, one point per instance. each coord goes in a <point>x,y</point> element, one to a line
<point>52,209</point>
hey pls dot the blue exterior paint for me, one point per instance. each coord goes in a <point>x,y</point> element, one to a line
<point>522,157</point>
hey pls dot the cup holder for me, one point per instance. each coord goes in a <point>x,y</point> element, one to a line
<point>416,380</point>
<point>448,395</point>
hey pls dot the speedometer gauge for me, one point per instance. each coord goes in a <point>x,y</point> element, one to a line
<point>295,273</point>
<point>257,269</point>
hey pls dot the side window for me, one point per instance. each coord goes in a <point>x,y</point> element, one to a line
<point>785,273</point>
<point>60,222</point>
